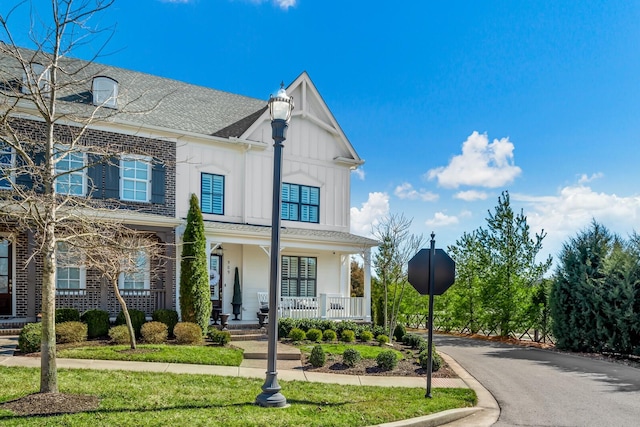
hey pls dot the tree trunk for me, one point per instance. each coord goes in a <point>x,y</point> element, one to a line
<point>48,367</point>
<point>125,311</point>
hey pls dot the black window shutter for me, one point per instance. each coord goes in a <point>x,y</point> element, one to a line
<point>158,183</point>
<point>112,178</point>
<point>94,177</point>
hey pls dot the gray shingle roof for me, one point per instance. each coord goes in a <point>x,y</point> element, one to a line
<point>147,99</point>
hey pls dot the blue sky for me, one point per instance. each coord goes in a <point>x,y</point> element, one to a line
<point>449,103</point>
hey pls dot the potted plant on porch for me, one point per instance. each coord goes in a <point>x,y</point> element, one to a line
<point>237,296</point>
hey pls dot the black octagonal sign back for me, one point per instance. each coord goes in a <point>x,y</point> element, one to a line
<point>444,275</point>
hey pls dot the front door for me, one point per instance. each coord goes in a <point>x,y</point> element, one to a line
<point>6,308</point>
<point>215,280</point>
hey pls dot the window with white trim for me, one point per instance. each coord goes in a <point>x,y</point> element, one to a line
<point>70,270</point>
<point>105,92</point>
<point>212,194</point>
<point>71,171</point>
<point>7,162</point>
<point>300,203</point>
<point>135,178</point>
<point>139,278</point>
<point>298,276</point>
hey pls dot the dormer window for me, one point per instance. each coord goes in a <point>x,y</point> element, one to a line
<point>105,92</point>
<point>36,75</point>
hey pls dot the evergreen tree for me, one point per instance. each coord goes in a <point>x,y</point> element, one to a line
<point>357,279</point>
<point>195,294</point>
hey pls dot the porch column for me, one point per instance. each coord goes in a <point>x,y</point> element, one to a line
<point>367,284</point>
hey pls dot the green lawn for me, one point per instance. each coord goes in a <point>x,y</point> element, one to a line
<point>197,354</point>
<point>151,399</point>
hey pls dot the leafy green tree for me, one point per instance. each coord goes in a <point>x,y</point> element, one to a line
<point>511,270</point>
<point>357,279</point>
<point>195,295</point>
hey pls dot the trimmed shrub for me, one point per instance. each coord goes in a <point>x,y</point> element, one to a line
<point>285,325</point>
<point>348,336</point>
<point>351,357</point>
<point>399,332</point>
<point>382,339</point>
<point>30,338</point>
<point>154,332</point>
<point>317,357</point>
<point>412,340</point>
<point>218,337</point>
<point>138,318</point>
<point>329,335</point>
<point>387,360</point>
<point>366,336</point>
<point>67,332</point>
<point>166,316</point>
<point>188,333</point>
<point>436,361</point>
<point>120,334</point>
<point>97,323</point>
<point>314,335</point>
<point>67,315</point>
<point>297,335</point>
<point>423,345</point>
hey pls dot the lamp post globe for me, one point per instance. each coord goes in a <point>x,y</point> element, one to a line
<point>280,108</point>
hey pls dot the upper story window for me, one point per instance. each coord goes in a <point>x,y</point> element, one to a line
<point>105,92</point>
<point>36,76</point>
<point>70,270</point>
<point>298,276</point>
<point>300,203</point>
<point>139,278</point>
<point>71,171</point>
<point>7,162</point>
<point>135,178</point>
<point>212,194</point>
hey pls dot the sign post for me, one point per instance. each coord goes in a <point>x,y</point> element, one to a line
<point>431,272</point>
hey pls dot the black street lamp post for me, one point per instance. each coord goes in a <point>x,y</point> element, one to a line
<point>280,108</point>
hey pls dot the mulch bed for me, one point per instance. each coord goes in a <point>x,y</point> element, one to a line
<point>51,404</point>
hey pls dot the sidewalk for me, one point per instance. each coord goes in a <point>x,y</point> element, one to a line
<point>290,369</point>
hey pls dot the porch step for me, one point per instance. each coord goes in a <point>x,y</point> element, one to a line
<point>252,334</point>
<point>9,331</point>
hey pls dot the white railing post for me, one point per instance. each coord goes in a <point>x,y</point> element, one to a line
<point>322,306</point>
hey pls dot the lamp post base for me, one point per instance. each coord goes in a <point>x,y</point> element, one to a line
<point>271,396</point>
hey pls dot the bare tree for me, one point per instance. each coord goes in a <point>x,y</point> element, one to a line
<point>44,122</point>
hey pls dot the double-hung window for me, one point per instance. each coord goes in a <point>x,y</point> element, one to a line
<point>299,276</point>
<point>71,172</point>
<point>136,280</point>
<point>135,178</point>
<point>70,270</point>
<point>300,203</point>
<point>7,160</point>
<point>212,194</point>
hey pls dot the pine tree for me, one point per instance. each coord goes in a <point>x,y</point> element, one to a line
<point>195,294</point>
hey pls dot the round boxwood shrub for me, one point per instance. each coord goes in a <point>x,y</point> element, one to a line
<point>30,338</point>
<point>137,319</point>
<point>67,315</point>
<point>120,334</point>
<point>436,361</point>
<point>317,357</point>
<point>399,332</point>
<point>412,340</point>
<point>348,336</point>
<point>382,339</point>
<point>168,317</point>
<point>314,335</point>
<point>297,334</point>
<point>67,332</point>
<point>217,336</point>
<point>154,332</point>
<point>188,333</point>
<point>97,323</point>
<point>387,360</point>
<point>329,335</point>
<point>366,336</point>
<point>351,357</point>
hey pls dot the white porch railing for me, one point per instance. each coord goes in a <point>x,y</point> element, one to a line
<point>323,307</point>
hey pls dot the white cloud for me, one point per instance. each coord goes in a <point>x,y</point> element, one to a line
<point>282,4</point>
<point>440,219</point>
<point>372,211</point>
<point>481,164</point>
<point>471,195</point>
<point>359,173</point>
<point>406,191</point>
<point>584,178</point>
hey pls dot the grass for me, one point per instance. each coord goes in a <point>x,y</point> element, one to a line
<point>366,351</point>
<point>196,354</point>
<point>151,399</point>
